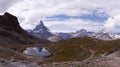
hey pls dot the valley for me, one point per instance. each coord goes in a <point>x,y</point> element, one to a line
<point>19,48</point>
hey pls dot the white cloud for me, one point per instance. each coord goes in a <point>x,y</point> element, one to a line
<point>76,24</point>
<point>5,4</point>
<point>111,23</point>
<point>30,12</point>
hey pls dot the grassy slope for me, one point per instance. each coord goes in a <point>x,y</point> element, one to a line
<point>80,48</point>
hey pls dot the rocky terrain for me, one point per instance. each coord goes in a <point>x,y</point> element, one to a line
<point>100,62</point>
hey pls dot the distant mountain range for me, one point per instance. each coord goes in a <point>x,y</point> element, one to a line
<point>98,35</point>
<point>43,32</point>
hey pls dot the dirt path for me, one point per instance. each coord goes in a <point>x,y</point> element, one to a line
<point>91,51</point>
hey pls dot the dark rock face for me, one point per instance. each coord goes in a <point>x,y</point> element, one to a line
<point>11,32</point>
<point>10,22</point>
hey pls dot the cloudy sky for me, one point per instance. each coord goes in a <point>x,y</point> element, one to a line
<point>66,15</point>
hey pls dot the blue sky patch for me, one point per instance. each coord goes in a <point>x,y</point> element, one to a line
<point>94,16</point>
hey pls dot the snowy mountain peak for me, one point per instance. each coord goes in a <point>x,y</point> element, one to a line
<point>82,30</point>
<point>80,33</point>
<point>41,23</point>
<point>41,31</point>
<point>104,35</point>
<point>40,27</point>
<point>102,31</point>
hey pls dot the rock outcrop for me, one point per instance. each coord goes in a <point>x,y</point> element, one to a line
<point>11,32</point>
<point>10,23</point>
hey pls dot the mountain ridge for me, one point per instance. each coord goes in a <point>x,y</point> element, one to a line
<point>42,31</point>
<point>83,33</point>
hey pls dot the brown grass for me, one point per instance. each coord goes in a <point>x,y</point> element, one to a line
<point>70,49</point>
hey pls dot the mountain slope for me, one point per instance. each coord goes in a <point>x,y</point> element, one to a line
<point>80,33</point>
<point>106,35</point>
<point>103,36</point>
<point>11,32</point>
